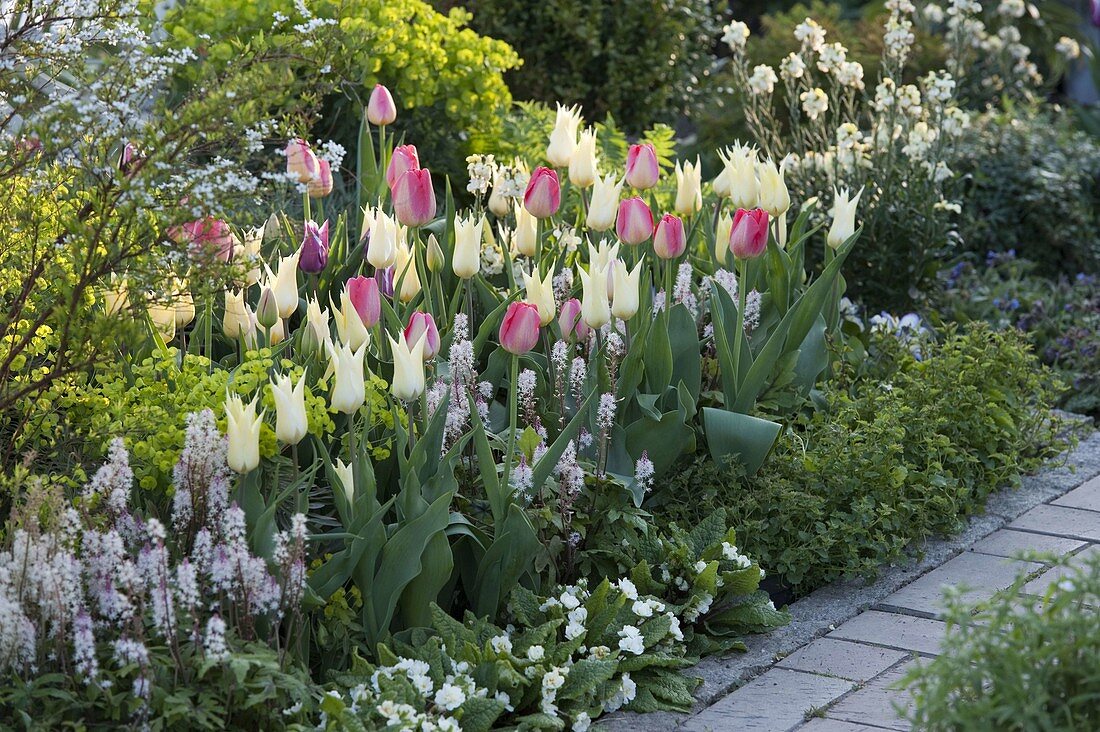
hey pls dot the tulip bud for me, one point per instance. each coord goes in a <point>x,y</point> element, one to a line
<point>382,244</point>
<point>422,325</point>
<point>349,326</point>
<point>277,334</point>
<point>570,321</point>
<point>540,293</point>
<point>563,140</point>
<point>844,217</point>
<point>248,253</point>
<point>519,331</point>
<point>595,309</point>
<point>526,237</point>
<point>314,250</point>
<point>381,110</point>
<point>363,292</point>
<point>689,188</point>
<point>206,238</point>
<point>749,236</point>
<point>116,295</point>
<point>635,221</point>
<point>669,241</point>
<point>722,238</point>
<point>774,197</point>
<point>642,170</point>
<point>414,198</point>
<point>543,196</point>
<point>235,320</point>
<point>248,327</point>
<point>285,284</point>
<point>625,304</point>
<point>434,257</point>
<point>466,258</point>
<point>291,423</point>
<point>321,184</point>
<point>267,309</point>
<point>405,273</point>
<point>605,203</point>
<point>317,322</point>
<point>403,160</point>
<point>408,368</point>
<point>348,390</point>
<point>243,428</point>
<point>582,166</point>
<point>183,304</point>
<point>499,204</point>
<point>744,189</point>
<point>300,160</point>
<point>164,319</point>
<point>346,477</point>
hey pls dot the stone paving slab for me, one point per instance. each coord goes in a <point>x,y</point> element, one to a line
<point>1060,521</point>
<point>874,704</point>
<point>977,576</point>
<point>1010,543</point>
<point>843,659</point>
<point>836,725</point>
<point>899,632</point>
<point>1086,497</point>
<point>776,701</point>
<point>1042,583</point>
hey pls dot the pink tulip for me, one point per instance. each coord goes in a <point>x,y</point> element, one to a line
<point>208,236</point>
<point>403,160</point>
<point>381,110</point>
<point>421,324</point>
<point>366,298</point>
<point>642,170</point>
<point>300,160</point>
<point>543,195</point>
<point>314,254</point>
<point>414,198</point>
<point>519,332</point>
<point>570,321</point>
<point>635,221</point>
<point>669,241</point>
<point>749,233</point>
<point>321,185</point>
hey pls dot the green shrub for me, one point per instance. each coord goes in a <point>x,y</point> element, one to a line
<point>1017,662</point>
<point>643,61</point>
<point>1032,184</point>
<point>906,451</point>
<point>446,79</point>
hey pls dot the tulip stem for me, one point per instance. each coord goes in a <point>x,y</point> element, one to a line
<point>739,335</point>
<point>513,409</point>
<point>306,206</point>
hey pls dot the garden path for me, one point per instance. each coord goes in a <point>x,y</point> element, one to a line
<point>834,667</point>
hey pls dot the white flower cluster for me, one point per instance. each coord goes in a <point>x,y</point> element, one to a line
<point>482,170</point>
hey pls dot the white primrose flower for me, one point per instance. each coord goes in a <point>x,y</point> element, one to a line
<point>631,641</point>
<point>450,697</point>
<point>536,653</point>
<point>501,644</point>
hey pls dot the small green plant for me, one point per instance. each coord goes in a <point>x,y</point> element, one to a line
<point>1017,662</point>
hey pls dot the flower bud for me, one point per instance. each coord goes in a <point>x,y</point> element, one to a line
<point>321,184</point>
<point>519,331</point>
<point>382,242</point>
<point>844,217</point>
<point>466,258</point>
<point>669,240</point>
<point>722,238</point>
<point>422,325</point>
<point>526,237</point>
<point>414,198</point>
<point>689,188</point>
<point>625,303</point>
<point>164,319</point>
<point>381,110</point>
<point>408,368</point>
<point>499,204</point>
<point>403,160</point>
<point>317,323</point>
<point>291,423</point>
<point>434,257</point>
<point>300,160</point>
<point>635,221</point>
<point>346,476</point>
<point>749,235</point>
<point>540,293</point>
<point>349,326</point>
<point>570,321</point>
<point>642,170</point>
<point>267,309</point>
<point>243,428</point>
<point>582,166</point>
<point>405,273</point>
<point>314,250</point>
<point>235,319</point>
<point>285,284</point>
<point>348,390</point>
<point>543,196</point>
<point>774,197</point>
<point>116,295</point>
<point>365,298</point>
<point>605,203</point>
<point>563,139</point>
<point>183,304</point>
<point>595,309</point>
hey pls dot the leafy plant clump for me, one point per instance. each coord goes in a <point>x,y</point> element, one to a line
<point>1018,662</point>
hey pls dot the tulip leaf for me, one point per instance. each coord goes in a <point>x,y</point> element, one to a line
<point>730,434</point>
<point>541,470</point>
<point>487,466</point>
<point>687,364</point>
<point>812,357</point>
<point>424,589</point>
<point>510,556</point>
<point>663,440</point>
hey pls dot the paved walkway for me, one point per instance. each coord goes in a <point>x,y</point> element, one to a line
<point>842,680</point>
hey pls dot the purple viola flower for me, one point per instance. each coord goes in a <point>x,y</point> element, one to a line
<point>314,255</point>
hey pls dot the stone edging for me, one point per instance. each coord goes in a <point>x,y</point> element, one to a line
<point>821,611</point>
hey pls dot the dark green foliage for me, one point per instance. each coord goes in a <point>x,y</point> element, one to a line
<point>903,452</point>
<point>1018,662</point>
<point>1032,183</point>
